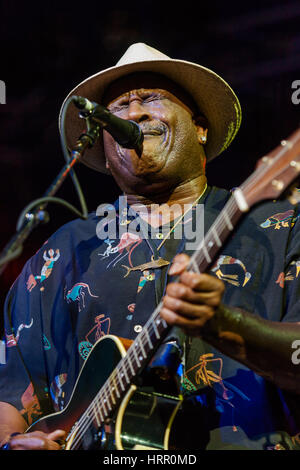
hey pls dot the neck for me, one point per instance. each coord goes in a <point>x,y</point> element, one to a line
<point>163,207</point>
<point>184,193</point>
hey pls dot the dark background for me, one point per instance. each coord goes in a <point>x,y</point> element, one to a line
<point>49,47</point>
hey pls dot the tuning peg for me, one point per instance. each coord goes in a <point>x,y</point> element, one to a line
<point>295,165</point>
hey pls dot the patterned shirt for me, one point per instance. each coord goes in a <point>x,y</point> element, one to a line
<point>81,286</point>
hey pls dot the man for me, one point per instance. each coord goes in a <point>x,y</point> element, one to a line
<point>237,350</point>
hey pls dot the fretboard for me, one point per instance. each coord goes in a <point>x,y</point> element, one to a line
<point>218,233</point>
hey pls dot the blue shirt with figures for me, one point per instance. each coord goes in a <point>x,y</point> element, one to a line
<point>81,286</point>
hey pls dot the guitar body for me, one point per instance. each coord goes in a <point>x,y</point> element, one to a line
<point>145,420</point>
<point>142,421</point>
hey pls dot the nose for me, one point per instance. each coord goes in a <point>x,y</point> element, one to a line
<point>137,112</point>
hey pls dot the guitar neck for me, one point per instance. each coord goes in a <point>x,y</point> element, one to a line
<point>217,234</point>
<point>131,365</point>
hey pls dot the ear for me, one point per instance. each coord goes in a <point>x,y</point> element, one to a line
<point>202,135</point>
<point>201,129</point>
<point>107,165</point>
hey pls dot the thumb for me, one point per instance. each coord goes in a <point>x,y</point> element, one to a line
<point>57,434</point>
<point>179,264</point>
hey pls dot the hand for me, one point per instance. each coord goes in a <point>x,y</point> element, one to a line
<point>192,301</point>
<point>36,440</point>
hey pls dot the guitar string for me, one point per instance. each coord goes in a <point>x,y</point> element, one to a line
<point>230,206</point>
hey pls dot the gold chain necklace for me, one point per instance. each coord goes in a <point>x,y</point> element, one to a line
<point>160,262</point>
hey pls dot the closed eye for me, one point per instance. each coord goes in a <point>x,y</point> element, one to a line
<point>152,97</point>
<point>123,103</point>
<point>118,106</point>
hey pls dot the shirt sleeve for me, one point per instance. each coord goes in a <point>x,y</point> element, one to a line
<point>23,377</point>
<point>291,274</point>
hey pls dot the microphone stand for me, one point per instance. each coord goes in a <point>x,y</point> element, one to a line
<point>31,220</point>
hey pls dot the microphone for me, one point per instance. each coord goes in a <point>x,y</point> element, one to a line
<point>126,133</point>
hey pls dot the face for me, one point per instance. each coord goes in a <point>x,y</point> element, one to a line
<point>171,151</point>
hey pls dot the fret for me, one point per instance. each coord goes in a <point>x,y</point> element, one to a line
<point>207,257</point>
<point>155,330</point>
<point>112,389</point>
<point>136,356</point>
<point>107,399</point>
<point>121,383</point>
<point>117,391</point>
<point>210,244</point>
<point>130,365</point>
<point>161,321</point>
<point>216,236</point>
<point>227,220</point>
<point>142,348</point>
<point>94,405</point>
<point>148,338</point>
<point>103,405</point>
<point>240,200</point>
<point>124,372</point>
<point>96,412</point>
<point>194,265</point>
<point>99,411</point>
<point>114,386</point>
<point>101,415</point>
<point>157,325</point>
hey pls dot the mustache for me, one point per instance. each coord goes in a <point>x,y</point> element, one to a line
<point>153,127</point>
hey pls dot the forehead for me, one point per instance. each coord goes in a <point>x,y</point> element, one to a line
<point>149,81</point>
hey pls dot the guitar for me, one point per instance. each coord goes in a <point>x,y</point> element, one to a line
<point>107,407</point>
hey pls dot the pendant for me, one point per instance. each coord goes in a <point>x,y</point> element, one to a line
<point>153,264</point>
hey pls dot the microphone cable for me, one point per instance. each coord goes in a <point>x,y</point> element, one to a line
<point>42,216</point>
<point>83,214</point>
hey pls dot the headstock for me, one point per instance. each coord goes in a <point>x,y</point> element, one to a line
<point>275,172</point>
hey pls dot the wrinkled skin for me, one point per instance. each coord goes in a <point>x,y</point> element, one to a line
<point>192,301</point>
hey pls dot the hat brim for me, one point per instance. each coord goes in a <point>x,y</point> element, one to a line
<point>213,96</point>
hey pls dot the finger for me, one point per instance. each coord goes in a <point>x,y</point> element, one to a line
<point>191,327</point>
<point>56,435</point>
<point>202,282</point>
<point>28,442</point>
<point>184,292</point>
<point>52,445</point>
<point>187,309</point>
<point>33,441</point>
<point>179,264</point>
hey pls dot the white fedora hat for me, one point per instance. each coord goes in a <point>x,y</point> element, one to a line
<point>213,96</point>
